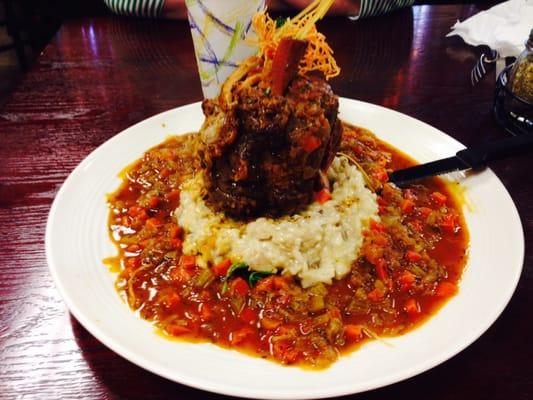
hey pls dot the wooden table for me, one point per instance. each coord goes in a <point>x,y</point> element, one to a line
<point>98,76</point>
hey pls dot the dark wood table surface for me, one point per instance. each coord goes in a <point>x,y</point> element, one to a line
<point>101,75</point>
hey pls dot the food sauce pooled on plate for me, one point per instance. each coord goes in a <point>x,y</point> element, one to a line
<point>410,264</point>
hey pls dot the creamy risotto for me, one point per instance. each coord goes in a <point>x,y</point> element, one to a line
<point>318,244</point>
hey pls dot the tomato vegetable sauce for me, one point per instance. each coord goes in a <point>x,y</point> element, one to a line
<point>409,265</point>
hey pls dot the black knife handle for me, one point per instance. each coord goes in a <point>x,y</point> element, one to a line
<point>479,156</point>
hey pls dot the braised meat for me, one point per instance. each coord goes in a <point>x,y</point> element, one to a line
<point>265,155</point>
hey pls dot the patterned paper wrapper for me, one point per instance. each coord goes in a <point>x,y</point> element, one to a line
<point>219,29</point>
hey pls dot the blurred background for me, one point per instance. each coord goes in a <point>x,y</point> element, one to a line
<point>26,26</point>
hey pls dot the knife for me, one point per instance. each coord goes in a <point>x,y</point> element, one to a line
<point>474,157</point>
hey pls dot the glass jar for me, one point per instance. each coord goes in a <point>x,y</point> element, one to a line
<point>521,77</point>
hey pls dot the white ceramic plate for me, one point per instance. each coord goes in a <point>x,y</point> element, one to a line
<point>77,241</point>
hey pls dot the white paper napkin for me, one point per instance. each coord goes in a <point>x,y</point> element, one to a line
<point>504,28</point>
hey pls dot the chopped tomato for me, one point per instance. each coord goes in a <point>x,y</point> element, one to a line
<point>417,225</point>
<point>425,211</point>
<point>153,223</point>
<point>407,280</point>
<point>438,198</point>
<point>133,262</point>
<point>381,174</point>
<point>412,307</point>
<point>240,335</point>
<point>248,315</point>
<point>323,196</point>
<point>381,269</point>
<point>311,143</point>
<point>284,351</point>
<point>239,286</point>
<point>133,211</point>
<point>407,206</point>
<point>448,223</point>
<point>165,172</point>
<point>180,274</point>
<point>133,248</point>
<point>376,294</point>
<point>377,226</point>
<point>176,243</point>
<point>413,256</point>
<point>221,269</point>
<point>173,195</point>
<point>153,202</point>
<point>353,331</point>
<point>187,262</point>
<point>445,289</point>
<point>206,314</point>
<point>170,299</point>
<point>174,231</point>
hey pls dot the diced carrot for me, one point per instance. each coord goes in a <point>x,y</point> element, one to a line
<point>187,262</point>
<point>377,226</point>
<point>425,211</point>
<point>221,269</point>
<point>265,285</point>
<point>448,223</point>
<point>376,294</point>
<point>240,335</point>
<point>164,173</point>
<point>413,256</point>
<point>311,143</point>
<point>173,195</point>
<point>445,289</point>
<point>407,206</point>
<point>381,174</point>
<point>133,211</point>
<point>412,307</point>
<point>153,223</point>
<point>353,331</point>
<point>133,262</point>
<point>438,198</point>
<point>177,330</point>
<point>249,315</point>
<point>239,286</point>
<point>407,279</point>
<point>323,196</point>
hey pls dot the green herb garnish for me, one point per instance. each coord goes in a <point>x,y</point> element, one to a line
<point>268,90</point>
<point>256,276</point>
<point>280,21</point>
<point>234,267</point>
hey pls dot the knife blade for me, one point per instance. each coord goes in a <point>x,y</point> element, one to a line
<point>470,158</point>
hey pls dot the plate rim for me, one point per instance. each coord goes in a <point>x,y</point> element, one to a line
<point>130,355</point>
